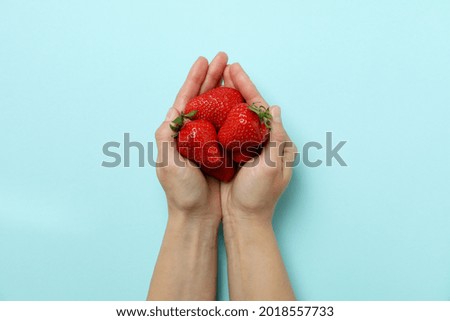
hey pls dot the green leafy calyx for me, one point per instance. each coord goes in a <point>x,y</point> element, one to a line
<point>263,113</point>
<point>178,122</point>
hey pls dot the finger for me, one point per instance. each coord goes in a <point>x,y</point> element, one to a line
<point>287,151</point>
<point>289,159</point>
<point>243,83</point>
<point>164,139</point>
<point>227,82</point>
<point>215,72</point>
<point>279,139</point>
<point>277,132</point>
<point>192,84</point>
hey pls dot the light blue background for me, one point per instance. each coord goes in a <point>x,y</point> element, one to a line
<point>77,74</point>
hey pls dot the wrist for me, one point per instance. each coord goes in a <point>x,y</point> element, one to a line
<point>233,215</point>
<point>246,241</point>
<point>202,217</point>
<point>193,231</point>
<point>246,228</point>
<point>246,224</point>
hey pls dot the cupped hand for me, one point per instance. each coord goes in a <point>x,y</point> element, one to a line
<point>188,191</point>
<point>255,190</point>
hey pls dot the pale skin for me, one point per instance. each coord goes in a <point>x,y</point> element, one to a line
<point>186,268</point>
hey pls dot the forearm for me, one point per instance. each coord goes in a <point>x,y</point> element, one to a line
<point>255,267</point>
<point>186,268</point>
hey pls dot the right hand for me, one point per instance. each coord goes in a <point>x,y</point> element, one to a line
<point>255,190</point>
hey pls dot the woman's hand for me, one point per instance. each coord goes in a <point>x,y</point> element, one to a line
<point>254,192</point>
<point>189,193</point>
<point>186,268</point>
<point>255,268</point>
<point>187,264</point>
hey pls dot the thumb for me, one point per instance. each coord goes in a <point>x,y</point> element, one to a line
<point>280,145</point>
<point>163,135</point>
<point>277,133</point>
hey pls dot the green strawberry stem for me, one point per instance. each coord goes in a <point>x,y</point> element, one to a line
<point>263,114</point>
<point>178,122</point>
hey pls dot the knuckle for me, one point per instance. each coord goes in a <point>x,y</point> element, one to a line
<point>159,133</point>
<point>272,168</point>
<point>162,173</point>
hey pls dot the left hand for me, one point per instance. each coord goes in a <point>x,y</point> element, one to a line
<point>189,193</point>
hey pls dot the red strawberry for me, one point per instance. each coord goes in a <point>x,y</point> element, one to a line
<point>245,153</point>
<point>223,173</point>
<point>197,141</point>
<point>245,130</point>
<point>214,105</point>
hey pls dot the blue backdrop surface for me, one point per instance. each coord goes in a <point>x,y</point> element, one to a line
<point>77,74</point>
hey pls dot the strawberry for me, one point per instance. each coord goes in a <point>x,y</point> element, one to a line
<point>245,153</point>
<point>245,130</point>
<point>224,172</point>
<point>214,105</point>
<point>197,141</point>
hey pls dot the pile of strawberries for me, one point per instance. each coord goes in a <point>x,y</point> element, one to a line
<point>220,131</point>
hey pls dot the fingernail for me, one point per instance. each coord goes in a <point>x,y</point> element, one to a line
<point>201,58</point>
<point>276,114</point>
